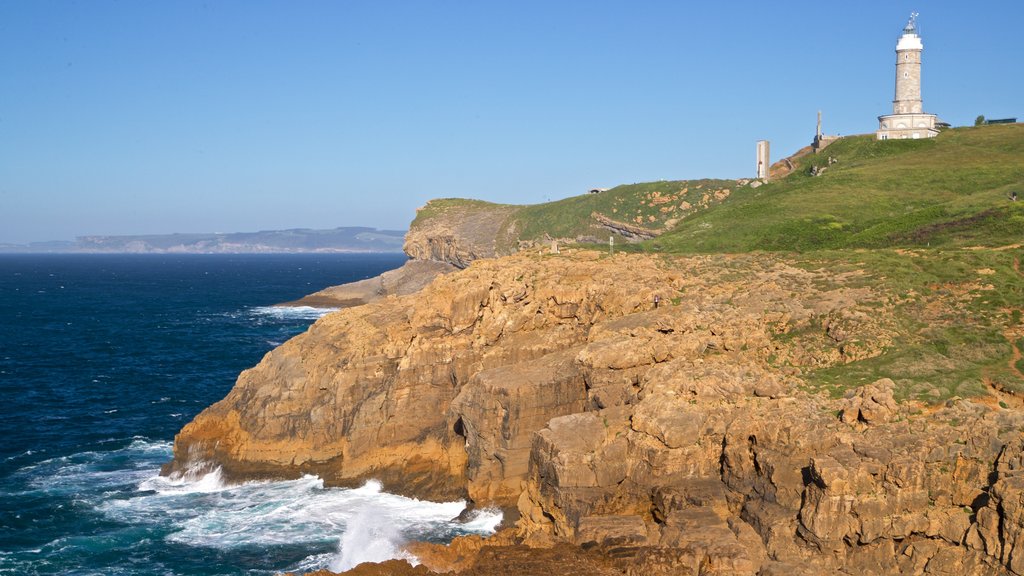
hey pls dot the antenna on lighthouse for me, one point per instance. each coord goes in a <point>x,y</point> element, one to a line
<point>911,27</point>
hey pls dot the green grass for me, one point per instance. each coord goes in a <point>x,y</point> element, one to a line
<point>923,369</point>
<point>947,191</point>
<point>951,321</point>
<point>650,206</point>
<point>442,207</point>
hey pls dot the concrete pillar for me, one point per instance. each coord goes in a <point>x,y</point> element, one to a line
<point>763,160</point>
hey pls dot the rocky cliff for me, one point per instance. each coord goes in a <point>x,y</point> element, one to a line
<point>652,410</point>
<point>407,279</point>
<point>459,231</point>
<point>446,236</point>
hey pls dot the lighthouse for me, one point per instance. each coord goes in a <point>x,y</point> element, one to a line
<point>908,119</point>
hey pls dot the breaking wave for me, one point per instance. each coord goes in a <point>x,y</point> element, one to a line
<point>291,312</point>
<point>331,528</point>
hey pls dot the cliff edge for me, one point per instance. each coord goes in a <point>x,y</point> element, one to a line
<point>450,233</point>
<point>459,231</point>
<point>854,409</point>
<point>446,236</point>
<point>658,410</point>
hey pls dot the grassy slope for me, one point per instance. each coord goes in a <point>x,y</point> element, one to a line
<point>442,207</point>
<point>951,190</point>
<point>928,221</point>
<point>958,313</point>
<point>947,191</point>
<point>649,205</point>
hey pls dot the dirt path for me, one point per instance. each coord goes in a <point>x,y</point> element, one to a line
<point>1016,355</point>
<point>1013,361</point>
<point>1009,398</point>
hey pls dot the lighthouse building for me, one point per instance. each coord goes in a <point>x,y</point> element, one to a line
<point>907,119</point>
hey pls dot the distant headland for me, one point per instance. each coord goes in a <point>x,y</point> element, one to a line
<point>298,240</point>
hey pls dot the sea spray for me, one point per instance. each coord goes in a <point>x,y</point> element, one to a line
<point>483,521</point>
<point>371,535</point>
<point>294,525</point>
<point>291,312</point>
<point>199,477</point>
<point>199,510</point>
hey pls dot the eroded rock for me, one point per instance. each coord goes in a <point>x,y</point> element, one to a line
<point>665,440</point>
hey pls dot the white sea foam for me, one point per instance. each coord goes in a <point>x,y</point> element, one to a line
<point>370,536</point>
<point>363,524</point>
<point>90,476</point>
<point>199,479</point>
<point>140,444</point>
<point>483,521</point>
<point>22,455</point>
<point>197,509</point>
<point>291,312</point>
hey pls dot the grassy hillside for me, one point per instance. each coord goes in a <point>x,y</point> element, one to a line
<point>956,317</point>
<point>946,191</point>
<point>650,206</point>
<point>952,190</point>
<point>929,222</point>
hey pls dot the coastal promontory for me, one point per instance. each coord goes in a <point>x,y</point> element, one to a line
<point>845,400</point>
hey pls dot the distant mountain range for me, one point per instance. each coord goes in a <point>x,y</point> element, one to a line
<point>346,239</point>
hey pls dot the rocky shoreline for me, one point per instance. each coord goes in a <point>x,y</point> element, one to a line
<point>410,278</point>
<point>635,414</point>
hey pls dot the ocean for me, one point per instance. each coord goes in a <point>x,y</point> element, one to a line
<point>103,358</point>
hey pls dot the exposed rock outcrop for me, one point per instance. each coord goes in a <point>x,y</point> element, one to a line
<point>410,278</point>
<point>368,391</point>
<point>674,437</point>
<point>467,231</point>
<point>625,229</point>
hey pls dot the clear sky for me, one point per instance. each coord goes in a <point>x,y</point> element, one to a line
<point>216,116</point>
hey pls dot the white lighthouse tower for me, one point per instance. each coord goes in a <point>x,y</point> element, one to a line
<point>907,119</point>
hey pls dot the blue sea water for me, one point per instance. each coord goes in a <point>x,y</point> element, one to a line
<point>103,358</point>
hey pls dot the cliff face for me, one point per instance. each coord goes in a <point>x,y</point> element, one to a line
<point>409,278</point>
<point>369,391</point>
<point>447,236</point>
<point>680,437</point>
<point>460,231</point>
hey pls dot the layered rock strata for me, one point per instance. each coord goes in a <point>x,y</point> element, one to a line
<point>410,278</point>
<point>467,231</point>
<point>648,409</point>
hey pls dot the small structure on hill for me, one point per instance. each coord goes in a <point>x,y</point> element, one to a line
<point>822,140</point>
<point>763,161</point>
<point>907,119</point>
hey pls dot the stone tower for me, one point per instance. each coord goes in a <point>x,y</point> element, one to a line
<point>763,160</point>
<point>907,119</point>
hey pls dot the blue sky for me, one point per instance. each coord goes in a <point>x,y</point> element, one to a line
<point>155,117</point>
